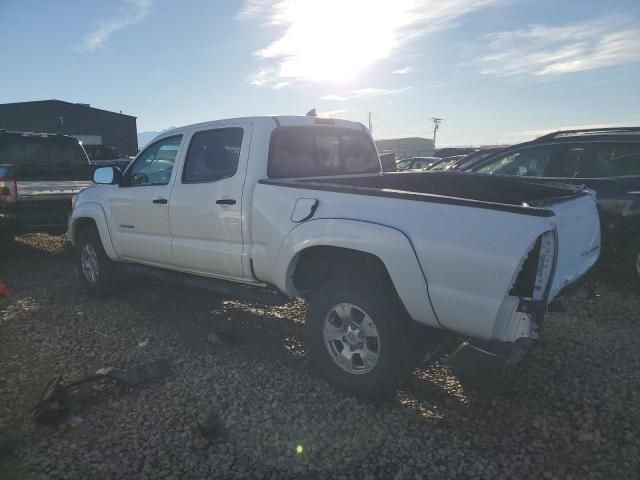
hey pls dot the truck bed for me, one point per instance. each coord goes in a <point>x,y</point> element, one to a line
<point>482,191</point>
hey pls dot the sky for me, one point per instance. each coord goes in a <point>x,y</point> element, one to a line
<point>497,71</point>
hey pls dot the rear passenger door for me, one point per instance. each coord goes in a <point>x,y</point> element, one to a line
<point>205,209</point>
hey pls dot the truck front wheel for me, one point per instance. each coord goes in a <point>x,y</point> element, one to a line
<point>94,266</point>
<point>357,336</point>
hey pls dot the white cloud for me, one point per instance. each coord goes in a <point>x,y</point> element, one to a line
<point>363,93</point>
<point>403,71</point>
<point>322,40</point>
<point>129,13</point>
<point>254,8</point>
<point>547,51</point>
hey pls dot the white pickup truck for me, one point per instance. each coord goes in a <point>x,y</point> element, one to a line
<point>269,208</point>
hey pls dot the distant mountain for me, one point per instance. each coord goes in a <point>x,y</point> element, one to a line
<point>146,137</point>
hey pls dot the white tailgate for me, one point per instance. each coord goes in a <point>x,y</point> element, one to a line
<point>578,225</point>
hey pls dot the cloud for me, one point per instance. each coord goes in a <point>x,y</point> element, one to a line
<point>129,13</point>
<point>334,40</point>
<point>403,71</point>
<point>363,93</point>
<point>254,8</point>
<point>545,51</point>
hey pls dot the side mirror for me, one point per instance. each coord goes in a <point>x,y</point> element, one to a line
<point>107,176</point>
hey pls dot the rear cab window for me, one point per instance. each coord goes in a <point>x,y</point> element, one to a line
<point>44,151</point>
<point>312,151</point>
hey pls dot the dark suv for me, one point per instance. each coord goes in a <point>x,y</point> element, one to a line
<point>606,160</point>
<point>39,174</point>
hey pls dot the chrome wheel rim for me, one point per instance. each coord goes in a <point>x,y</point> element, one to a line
<point>89,263</point>
<point>351,338</point>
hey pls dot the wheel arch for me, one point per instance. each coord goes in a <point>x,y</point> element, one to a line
<point>91,215</point>
<point>327,244</point>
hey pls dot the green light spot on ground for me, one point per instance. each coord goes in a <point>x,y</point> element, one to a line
<point>299,449</point>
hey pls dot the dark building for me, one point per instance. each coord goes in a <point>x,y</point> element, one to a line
<point>90,125</point>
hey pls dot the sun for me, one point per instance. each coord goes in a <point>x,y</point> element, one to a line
<point>334,40</point>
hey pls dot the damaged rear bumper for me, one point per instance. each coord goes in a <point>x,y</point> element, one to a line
<point>475,356</point>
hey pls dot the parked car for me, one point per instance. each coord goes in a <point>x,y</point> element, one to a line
<point>605,160</point>
<point>270,208</point>
<point>105,156</point>
<point>453,151</point>
<point>462,163</point>
<point>416,163</point>
<point>39,174</point>
<point>446,162</point>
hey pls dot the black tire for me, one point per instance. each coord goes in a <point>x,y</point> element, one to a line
<point>105,279</point>
<point>396,357</point>
<point>632,260</point>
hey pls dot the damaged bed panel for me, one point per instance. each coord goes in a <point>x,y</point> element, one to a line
<point>471,235</point>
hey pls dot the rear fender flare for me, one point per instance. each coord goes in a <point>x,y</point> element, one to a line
<point>390,245</point>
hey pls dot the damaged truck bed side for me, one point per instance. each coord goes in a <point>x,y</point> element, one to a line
<point>386,261</point>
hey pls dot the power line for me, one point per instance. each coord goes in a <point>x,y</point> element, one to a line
<point>382,128</point>
<point>391,126</point>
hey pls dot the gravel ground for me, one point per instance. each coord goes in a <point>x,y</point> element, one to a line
<point>571,409</point>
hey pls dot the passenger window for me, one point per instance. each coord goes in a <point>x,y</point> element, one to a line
<point>155,164</point>
<point>617,159</point>
<point>213,155</point>
<point>528,162</point>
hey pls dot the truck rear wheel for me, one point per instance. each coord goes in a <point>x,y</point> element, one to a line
<point>95,268</point>
<point>357,337</point>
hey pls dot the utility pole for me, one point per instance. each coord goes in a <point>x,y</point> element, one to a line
<point>436,127</point>
<point>370,125</point>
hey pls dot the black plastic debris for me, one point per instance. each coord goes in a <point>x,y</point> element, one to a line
<point>54,405</point>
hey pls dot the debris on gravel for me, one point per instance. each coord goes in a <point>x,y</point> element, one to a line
<point>243,401</point>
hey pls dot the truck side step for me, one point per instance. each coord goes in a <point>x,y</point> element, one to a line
<point>224,288</point>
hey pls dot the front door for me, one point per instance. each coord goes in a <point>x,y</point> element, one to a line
<point>140,206</point>
<point>205,210</point>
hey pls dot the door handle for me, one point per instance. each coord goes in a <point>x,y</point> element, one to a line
<point>226,201</point>
<point>161,201</point>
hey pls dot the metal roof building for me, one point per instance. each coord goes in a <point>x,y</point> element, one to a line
<point>90,125</point>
